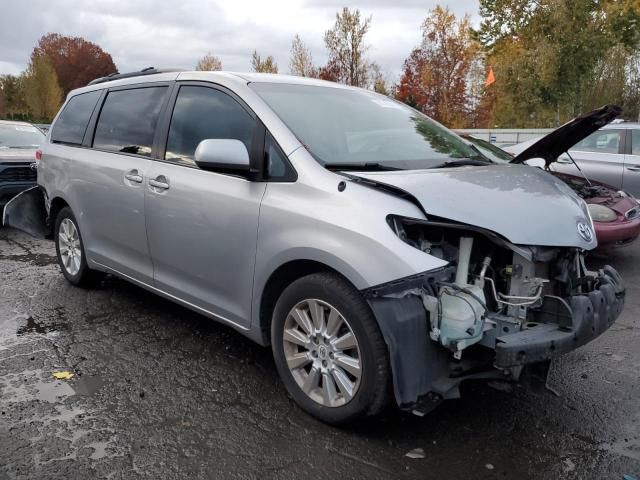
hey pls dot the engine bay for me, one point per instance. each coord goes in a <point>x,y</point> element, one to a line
<point>489,287</point>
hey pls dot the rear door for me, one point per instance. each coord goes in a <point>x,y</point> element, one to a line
<point>202,226</point>
<point>631,181</point>
<point>600,156</point>
<point>112,176</point>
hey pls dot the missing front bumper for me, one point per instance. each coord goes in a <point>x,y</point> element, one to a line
<point>563,325</point>
<point>424,372</point>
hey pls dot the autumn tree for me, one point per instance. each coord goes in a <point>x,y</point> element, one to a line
<point>435,76</point>
<point>75,60</point>
<point>267,65</point>
<point>41,90</point>
<point>301,61</point>
<point>346,47</point>
<point>209,63</point>
<point>330,72</point>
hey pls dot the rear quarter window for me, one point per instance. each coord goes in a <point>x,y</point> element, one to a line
<point>71,124</point>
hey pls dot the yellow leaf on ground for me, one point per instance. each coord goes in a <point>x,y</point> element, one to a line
<point>62,375</point>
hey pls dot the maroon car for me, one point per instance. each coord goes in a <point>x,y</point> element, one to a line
<point>615,214</point>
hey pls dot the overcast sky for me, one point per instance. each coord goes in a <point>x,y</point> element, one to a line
<point>163,33</point>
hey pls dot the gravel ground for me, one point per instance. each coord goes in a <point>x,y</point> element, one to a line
<point>161,392</point>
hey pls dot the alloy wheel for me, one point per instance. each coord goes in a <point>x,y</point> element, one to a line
<point>69,246</point>
<point>322,352</point>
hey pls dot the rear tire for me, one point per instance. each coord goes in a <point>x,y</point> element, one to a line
<point>70,251</point>
<point>329,350</point>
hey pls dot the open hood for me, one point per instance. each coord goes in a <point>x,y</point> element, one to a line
<point>525,205</point>
<point>551,146</point>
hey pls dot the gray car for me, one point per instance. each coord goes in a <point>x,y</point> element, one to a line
<point>609,155</point>
<point>19,142</point>
<point>380,255</point>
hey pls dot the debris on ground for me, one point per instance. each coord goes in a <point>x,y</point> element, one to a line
<point>62,375</point>
<point>568,465</point>
<point>489,466</point>
<point>415,453</point>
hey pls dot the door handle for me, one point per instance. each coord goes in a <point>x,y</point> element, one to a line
<point>134,176</point>
<point>564,160</point>
<point>160,182</point>
<point>634,169</point>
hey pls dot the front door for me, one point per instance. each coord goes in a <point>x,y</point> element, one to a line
<point>202,226</point>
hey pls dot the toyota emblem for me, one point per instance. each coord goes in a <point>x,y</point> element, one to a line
<point>585,231</point>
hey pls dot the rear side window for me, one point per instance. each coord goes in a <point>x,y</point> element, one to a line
<point>602,141</point>
<point>128,119</point>
<point>635,142</point>
<point>201,113</point>
<point>72,122</point>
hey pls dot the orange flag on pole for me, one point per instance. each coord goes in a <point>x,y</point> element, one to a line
<point>491,78</point>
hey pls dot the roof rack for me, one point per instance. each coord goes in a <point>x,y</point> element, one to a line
<point>144,71</point>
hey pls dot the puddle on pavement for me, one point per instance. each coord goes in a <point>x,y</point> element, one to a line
<point>34,326</point>
<point>51,392</point>
<point>87,384</point>
<point>36,259</point>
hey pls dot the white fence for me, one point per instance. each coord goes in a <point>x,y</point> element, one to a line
<point>504,137</point>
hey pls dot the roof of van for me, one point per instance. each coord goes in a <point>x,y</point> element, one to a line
<point>169,75</point>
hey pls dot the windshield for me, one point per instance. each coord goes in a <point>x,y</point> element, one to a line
<point>20,136</point>
<point>490,150</point>
<point>361,128</point>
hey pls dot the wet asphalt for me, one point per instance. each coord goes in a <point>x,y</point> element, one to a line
<point>160,392</point>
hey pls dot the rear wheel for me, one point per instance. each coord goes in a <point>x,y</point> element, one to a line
<point>70,251</point>
<point>329,350</point>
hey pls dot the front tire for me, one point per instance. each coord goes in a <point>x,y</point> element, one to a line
<point>70,251</point>
<point>329,350</point>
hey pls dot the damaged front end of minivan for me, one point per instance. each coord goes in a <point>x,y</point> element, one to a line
<point>494,310</point>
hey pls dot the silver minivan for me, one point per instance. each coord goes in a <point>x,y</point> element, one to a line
<point>380,255</point>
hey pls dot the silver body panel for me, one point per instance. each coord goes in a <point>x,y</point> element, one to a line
<point>525,205</point>
<point>212,241</point>
<point>202,238</point>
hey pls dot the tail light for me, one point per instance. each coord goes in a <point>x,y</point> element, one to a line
<point>38,155</point>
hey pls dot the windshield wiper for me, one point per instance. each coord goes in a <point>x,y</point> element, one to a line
<point>464,162</point>
<point>362,167</point>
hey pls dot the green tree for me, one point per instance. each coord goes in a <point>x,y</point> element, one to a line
<point>42,93</point>
<point>549,55</point>
<point>13,101</point>
<point>347,49</point>
<point>267,65</point>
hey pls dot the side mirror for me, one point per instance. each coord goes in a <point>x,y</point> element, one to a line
<point>222,154</point>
